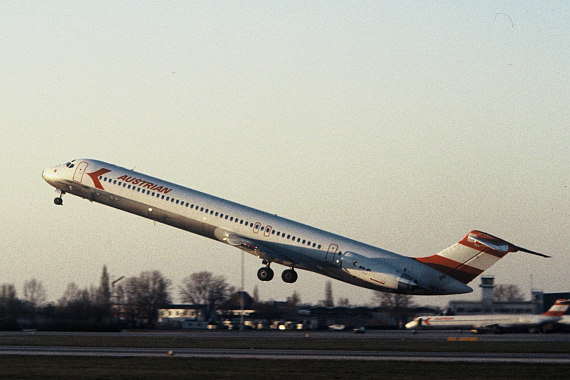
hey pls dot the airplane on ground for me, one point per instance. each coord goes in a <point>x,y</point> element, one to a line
<point>494,322</point>
<point>564,323</point>
<point>278,240</point>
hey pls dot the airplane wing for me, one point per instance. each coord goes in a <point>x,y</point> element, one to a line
<point>252,246</point>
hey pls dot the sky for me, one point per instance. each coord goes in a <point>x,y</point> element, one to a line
<point>400,124</point>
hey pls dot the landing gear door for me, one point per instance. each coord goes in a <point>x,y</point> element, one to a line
<point>78,176</point>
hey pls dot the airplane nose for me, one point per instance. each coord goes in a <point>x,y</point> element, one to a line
<point>412,324</point>
<point>49,174</point>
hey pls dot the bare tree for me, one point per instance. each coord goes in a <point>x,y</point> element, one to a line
<point>507,293</point>
<point>8,301</point>
<point>328,301</point>
<point>294,299</point>
<point>145,294</point>
<point>205,288</point>
<point>35,296</point>
<point>345,302</point>
<point>398,305</point>
<point>34,292</point>
<point>72,294</point>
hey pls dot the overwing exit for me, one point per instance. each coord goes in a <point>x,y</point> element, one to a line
<point>278,240</point>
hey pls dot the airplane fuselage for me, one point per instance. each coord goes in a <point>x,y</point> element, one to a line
<point>496,322</point>
<point>272,238</point>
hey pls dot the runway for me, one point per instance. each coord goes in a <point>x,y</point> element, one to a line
<point>290,354</point>
<point>19,345</point>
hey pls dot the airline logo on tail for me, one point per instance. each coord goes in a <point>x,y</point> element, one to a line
<point>470,257</point>
<point>558,309</point>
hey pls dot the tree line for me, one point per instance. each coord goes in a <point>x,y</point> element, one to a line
<point>135,301</point>
<point>132,301</point>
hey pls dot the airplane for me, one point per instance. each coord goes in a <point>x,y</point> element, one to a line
<point>278,240</point>
<point>494,322</point>
<point>564,323</point>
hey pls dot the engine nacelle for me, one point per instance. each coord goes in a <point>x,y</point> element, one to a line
<point>378,272</point>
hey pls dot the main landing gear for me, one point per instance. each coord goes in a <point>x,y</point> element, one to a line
<point>266,274</point>
<point>289,275</point>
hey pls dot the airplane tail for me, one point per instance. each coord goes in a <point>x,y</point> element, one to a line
<point>558,309</point>
<point>471,256</point>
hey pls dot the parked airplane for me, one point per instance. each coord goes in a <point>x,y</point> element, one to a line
<point>564,323</point>
<point>494,322</point>
<point>278,240</point>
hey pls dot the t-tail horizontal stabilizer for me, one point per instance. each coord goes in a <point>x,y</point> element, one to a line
<point>499,245</point>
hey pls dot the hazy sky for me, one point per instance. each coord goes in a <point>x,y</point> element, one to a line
<point>400,124</point>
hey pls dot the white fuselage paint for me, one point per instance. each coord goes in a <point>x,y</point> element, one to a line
<point>482,322</point>
<point>260,233</point>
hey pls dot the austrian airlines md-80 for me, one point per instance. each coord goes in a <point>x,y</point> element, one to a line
<point>278,240</point>
<point>494,322</point>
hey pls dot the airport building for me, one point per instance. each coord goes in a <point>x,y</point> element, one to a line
<point>488,304</point>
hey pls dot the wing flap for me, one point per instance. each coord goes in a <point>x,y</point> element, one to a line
<point>252,246</point>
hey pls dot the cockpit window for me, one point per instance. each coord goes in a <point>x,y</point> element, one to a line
<point>70,165</point>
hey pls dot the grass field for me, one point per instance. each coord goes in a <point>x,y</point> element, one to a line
<point>87,368</point>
